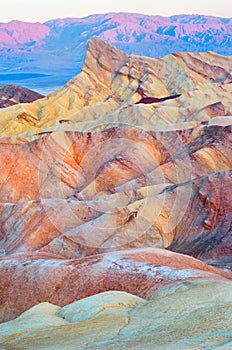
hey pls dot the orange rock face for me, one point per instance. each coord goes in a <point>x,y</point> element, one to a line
<point>39,277</point>
<point>99,192</point>
<point>77,194</point>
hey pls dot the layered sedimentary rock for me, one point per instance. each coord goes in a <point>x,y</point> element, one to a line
<point>31,47</point>
<point>41,277</point>
<point>99,183</point>
<point>117,320</point>
<point>13,94</point>
<point>77,194</point>
<point>111,82</point>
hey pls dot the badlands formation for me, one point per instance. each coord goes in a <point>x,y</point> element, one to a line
<point>51,53</point>
<point>115,208</point>
<point>13,94</point>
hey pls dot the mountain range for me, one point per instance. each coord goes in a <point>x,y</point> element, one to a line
<point>115,207</point>
<point>39,55</point>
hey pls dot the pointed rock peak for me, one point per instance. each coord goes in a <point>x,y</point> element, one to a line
<point>101,56</point>
<point>97,44</point>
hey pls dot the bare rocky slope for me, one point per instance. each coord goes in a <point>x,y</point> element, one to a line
<point>57,48</point>
<point>111,83</point>
<point>120,181</point>
<point>116,320</point>
<point>13,94</point>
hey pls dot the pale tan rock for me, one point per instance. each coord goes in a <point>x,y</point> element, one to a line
<point>177,318</point>
<point>38,317</point>
<point>110,82</point>
<point>132,154</point>
<point>97,305</point>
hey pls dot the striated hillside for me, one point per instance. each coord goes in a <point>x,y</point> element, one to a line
<point>12,94</point>
<point>120,182</point>
<point>117,320</point>
<point>57,47</point>
<point>111,83</point>
<point>144,272</point>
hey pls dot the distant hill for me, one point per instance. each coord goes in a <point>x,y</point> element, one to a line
<point>13,94</point>
<point>57,47</point>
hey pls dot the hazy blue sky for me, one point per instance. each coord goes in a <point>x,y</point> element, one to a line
<point>42,10</point>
